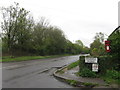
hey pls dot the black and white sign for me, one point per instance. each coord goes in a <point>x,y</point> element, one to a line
<point>95,67</point>
<point>91,60</point>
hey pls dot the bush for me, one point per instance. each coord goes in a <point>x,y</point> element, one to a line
<point>105,63</point>
<point>113,74</point>
<point>85,68</point>
<point>114,39</point>
<point>87,73</point>
<point>83,65</point>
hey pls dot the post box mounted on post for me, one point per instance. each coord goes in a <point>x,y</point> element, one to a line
<point>107,46</point>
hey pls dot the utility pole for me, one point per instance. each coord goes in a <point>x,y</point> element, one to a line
<point>119,13</point>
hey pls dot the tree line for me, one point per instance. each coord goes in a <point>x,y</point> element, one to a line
<point>21,35</point>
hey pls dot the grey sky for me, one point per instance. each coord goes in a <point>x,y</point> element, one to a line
<point>79,19</point>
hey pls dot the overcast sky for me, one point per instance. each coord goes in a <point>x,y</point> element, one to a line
<point>79,19</point>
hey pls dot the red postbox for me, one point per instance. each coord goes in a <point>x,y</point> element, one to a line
<point>107,46</point>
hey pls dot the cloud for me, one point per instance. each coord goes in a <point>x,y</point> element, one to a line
<point>79,19</point>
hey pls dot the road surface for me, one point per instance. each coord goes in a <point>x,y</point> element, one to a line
<point>35,73</point>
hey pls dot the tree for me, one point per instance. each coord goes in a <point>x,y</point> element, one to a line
<point>38,36</point>
<point>54,41</point>
<point>86,49</point>
<point>79,42</point>
<point>115,47</point>
<point>21,34</point>
<point>115,42</point>
<point>16,27</point>
<point>97,46</point>
<point>48,40</point>
<point>95,52</point>
<point>100,37</point>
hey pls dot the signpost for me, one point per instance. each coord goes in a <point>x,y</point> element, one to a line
<point>95,67</point>
<point>94,62</point>
<point>91,60</point>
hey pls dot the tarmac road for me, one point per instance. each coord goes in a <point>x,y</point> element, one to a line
<point>35,73</point>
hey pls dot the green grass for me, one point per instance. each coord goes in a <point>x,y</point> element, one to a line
<point>61,71</point>
<point>72,82</point>
<point>85,72</point>
<point>25,58</point>
<point>111,77</point>
<point>90,84</point>
<point>72,65</point>
<point>77,83</point>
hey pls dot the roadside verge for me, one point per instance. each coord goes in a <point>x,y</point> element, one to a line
<point>71,78</point>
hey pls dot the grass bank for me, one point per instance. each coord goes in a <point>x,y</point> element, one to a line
<point>81,84</point>
<point>110,77</point>
<point>72,65</point>
<point>25,58</point>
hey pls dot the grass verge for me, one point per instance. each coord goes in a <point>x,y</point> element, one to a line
<point>80,84</point>
<point>25,58</point>
<point>85,72</point>
<point>72,65</point>
<point>112,77</point>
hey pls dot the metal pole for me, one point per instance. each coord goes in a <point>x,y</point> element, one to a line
<point>119,13</point>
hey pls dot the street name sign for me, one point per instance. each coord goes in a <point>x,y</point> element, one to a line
<point>91,60</point>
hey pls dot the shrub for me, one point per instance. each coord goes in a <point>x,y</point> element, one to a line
<point>85,68</point>
<point>82,63</point>
<point>113,74</point>
<point>105,63</point>
<point>85,72</point>
<point>114,39</point>
<point>95,52</point>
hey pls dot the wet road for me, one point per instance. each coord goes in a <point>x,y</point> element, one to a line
<point>35,73</point>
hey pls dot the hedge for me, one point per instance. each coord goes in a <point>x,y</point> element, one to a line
<point>107,63</point>
<point>104,62</point>
<point>85,69</point>
<point>82,64</point>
